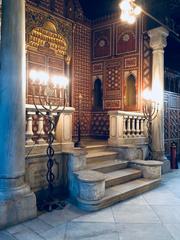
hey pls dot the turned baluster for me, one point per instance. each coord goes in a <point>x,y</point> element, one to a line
<point>128,127</point>
<point>40,131</point>
<point>138,127</point>
<point>145,128</point>
<point>142,127</point>
<point>29,129</point>
<point>133,127</point>
<point>124,127</point>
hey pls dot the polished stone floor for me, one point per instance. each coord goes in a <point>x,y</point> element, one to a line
<point>154,215</point>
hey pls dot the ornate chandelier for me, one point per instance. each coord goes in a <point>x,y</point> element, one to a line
<point>129,11</point>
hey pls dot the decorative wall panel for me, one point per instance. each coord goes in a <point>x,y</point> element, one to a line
<point>97,67</point>
<point>82,81</point>
<point>48,44</point>
<point>42,27</point>
<point>126,39</point>
<point>113,80</point>
<point>112,104</point>
<point>147,63</point>
<point>102,43</point>
<point>131,62</point>
<point>171,121</point>
<point>100,124</point>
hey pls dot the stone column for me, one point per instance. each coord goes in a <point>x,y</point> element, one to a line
<point>17,202</point>
<point>158,42</point>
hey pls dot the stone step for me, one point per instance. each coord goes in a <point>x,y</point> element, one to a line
<point>121,176</point>
<point>107,166</point>
<point>119,193</point>
<point>101,156</point>
<point>96,148</point>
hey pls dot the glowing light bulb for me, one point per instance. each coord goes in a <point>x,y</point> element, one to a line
<point>125,5</point>
<point>33,75</point>
<point>64,82</point>
<point>131,19</point>
<point>60,81</point>
<point>137,10</point>
<point>43,77</point>
<point>147,95</point>
<point>125,16</point>
<point>56,80</point>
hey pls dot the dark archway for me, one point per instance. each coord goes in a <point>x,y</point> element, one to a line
<point>131,91</point>
<point>98,101</point>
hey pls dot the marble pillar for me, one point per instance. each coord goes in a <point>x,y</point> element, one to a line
<point>158,42</point>
<point>17,202</point>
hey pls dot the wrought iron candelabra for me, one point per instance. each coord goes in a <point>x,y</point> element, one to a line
<point>78,142</point>
<point>150,111</point>
<point>44,90</point>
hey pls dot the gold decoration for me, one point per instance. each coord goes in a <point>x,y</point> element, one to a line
<point>68,59</point>
<point>40,36</point>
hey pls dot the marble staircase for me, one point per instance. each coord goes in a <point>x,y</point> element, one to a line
<point>107,180</point>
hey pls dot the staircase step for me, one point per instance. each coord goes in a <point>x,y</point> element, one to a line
<point>119,193</point>
<point>121,176</point>
<point>107,166</point>
<point>101,156</point>
<point>96,148</point>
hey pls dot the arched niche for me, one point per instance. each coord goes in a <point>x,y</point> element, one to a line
<point>97,95</point>
<point>130,91</point>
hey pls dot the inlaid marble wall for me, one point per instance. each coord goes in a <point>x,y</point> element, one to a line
<point>172,120</point>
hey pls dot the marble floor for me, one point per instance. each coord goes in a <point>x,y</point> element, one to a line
<point>154,215</point>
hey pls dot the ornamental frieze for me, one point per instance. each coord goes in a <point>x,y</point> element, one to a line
<point>43,28</point>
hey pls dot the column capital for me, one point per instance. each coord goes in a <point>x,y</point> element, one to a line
<point>158,38</point>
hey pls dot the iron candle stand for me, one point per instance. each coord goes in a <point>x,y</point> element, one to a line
<point>46,91</point>
<point>78,142</point>
<point>150,111</point>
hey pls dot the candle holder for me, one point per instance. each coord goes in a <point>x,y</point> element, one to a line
<point>150,111</point>
<point>78,142</point>
<point>44,90</point>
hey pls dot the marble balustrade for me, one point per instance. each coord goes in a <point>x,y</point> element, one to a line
<point>127,128</point>
<point>37,125</point>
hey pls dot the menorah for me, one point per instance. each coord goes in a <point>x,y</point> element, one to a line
<point>150,111</point>
<point>44,90</point>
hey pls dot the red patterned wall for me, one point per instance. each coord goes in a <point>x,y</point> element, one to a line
<point>126,40</point>
<point>116,54</point>
<point>81,83</point>
<point>56,6</point>
<point>102,43</point>
<point>100,124</point>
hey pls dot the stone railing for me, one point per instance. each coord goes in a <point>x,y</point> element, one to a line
<point>127,128</point>
<point>37,126</point>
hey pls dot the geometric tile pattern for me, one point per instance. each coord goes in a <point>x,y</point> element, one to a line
<point>171,120</point>
<point>100,124</point>
<point>82,76</point>
<point>113,82</point>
